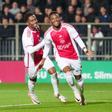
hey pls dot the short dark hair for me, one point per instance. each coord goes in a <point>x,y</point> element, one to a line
<point>53,13</point>
<point>27,15</point>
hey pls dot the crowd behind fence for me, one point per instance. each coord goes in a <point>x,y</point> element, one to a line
<point>94,36</point>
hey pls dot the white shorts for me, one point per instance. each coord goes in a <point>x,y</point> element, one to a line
<point>74,64</point>
<point>32,72</point>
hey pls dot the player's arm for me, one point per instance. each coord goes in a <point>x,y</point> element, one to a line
<point>31,49</point>
<point>74,34</point>
<point>29,42</point>
<point>46,50</point>
<point>83,46</point>
<point>47,45</point>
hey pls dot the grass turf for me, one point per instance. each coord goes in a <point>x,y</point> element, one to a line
<point>13,98</point>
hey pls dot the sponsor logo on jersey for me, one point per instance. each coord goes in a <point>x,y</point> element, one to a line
<point>65,46</point>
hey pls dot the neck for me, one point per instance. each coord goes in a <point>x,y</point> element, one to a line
<point>57,27</point>
<point>33,29</point>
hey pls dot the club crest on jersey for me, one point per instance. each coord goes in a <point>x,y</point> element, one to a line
<point>61,40</point>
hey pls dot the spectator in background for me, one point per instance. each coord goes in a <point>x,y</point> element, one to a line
<point>15,9</point>
<point>60,11</point>
<point>39,14</point>
<point>82,29</point>
<point>77,19</point>
<point>46,20</point>
<point>61,3</point>
<point>41,4</point>
<point>70,14</point>
<point>23,10</point>
<point>91,14</point>
<point>84,26</point>
<point>51,4</point>
<point>7,14</point>
<point>83,19</point>
<point>97,21</point>
<point>97,45</point>
<point>86,5</point>
<point>19,18</point>
<point>30,5</point>
<point>22,13</point>
<point>99,3</point>
<point>47,11</point>
<point>79,12</point>
<point>74,3</point>
<point>7,3</point>
<point>104,17</point>
<point>6,30</point>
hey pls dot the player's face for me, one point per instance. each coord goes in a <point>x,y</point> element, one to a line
<point>32,22</point>
<point>55,21</point>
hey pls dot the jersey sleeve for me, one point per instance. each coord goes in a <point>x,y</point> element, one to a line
<point>47,38</point>
<point>75,36</point>
<point>47,45</point>
<point>27,39</point>
<point>32,49</point>
<point>28,43</point>
<point>72,31</point>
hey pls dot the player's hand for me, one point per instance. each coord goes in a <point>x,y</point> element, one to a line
<point>90,53</point>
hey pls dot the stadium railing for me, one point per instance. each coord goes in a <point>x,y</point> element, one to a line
<point>11,47</point>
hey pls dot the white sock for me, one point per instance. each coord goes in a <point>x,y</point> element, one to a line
<point>70,81</point>
<point>31,86</point>
<point>80,83</point>
<point>69,78</point>
<point>54,82</point>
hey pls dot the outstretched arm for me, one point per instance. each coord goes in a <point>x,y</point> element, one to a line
<point>31,49</point>
<point>46,50</point>
<point>45,54</point>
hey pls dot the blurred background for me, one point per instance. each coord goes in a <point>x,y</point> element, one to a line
<point>91,18</point>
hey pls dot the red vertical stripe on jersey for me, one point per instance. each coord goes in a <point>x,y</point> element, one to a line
<point>37,54</point>
<point>64,44</point>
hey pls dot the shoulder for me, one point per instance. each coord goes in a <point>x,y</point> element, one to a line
<point>48,31</point>
<point>67,25</point>
<point>27,32</point>
<point>70,28</point>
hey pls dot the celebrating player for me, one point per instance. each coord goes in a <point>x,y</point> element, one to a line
<point>33,54</point>
<point>62,36</point>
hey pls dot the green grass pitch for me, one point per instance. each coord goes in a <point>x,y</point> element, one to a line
<point>13,98</point>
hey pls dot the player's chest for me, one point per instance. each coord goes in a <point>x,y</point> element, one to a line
<point>36,37</point>
<point>60,37</point>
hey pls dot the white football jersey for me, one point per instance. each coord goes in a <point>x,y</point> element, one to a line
<point>29,40</point>
<point>63,41</point>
